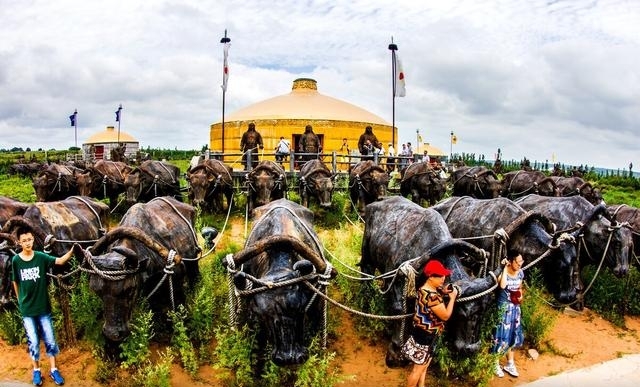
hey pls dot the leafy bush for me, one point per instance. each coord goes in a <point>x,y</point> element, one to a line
<point>155,375</point>
<point>613,297</point>
<point>11,328</point>
<point>181,342</point>
<point>86,307</point>
<point>234,354</point>
<point>135,348</point>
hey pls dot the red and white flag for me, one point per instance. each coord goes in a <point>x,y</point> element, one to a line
<point>400,90</point>
<point>225,68</point>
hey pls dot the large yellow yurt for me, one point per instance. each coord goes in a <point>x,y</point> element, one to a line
<point>99,145</point>
<point>287,115</point>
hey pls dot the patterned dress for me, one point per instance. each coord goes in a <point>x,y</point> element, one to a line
<point>509,333</point>
<point>427,326</point>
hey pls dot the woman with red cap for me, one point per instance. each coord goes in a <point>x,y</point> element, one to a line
<point>428,320</point>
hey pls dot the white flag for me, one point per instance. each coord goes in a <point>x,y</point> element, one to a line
<point>225,68</point>
<point>400,90</point>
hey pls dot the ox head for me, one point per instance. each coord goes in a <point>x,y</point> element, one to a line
<point>282,311</point>
<point>321,186</point>
<point>487,185</point>
<point>85,183</point>
<point>43,185</point>
<point>199,183</point>
<point>132,186</point>
<point>530,234</point>
<point>547,187</point>
<point>608,240</point>
<point>118,295</point>
<point>593,195</point>
<point>264,184</point>
<point>7,246</point>
<point>379,183</point>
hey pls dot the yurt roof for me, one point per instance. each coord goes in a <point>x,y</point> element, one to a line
<point>432,150</point>
<point>109,135</point>
<point>305,102</point>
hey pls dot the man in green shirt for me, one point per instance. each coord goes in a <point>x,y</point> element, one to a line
<point>29,277</point>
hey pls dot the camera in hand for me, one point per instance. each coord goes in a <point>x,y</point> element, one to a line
<point>446,288</point>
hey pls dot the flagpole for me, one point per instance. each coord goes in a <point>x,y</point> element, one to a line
<point>225,40</point>
<point>75,126</point>
<point>393,47</point>
<point>451,147</point>
<point>119,120</point>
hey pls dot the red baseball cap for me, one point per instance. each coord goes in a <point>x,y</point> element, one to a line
<point>434,267</point>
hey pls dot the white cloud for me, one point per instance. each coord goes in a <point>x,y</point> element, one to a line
<point>534,78</point>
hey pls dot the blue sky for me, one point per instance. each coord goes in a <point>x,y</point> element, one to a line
<point>538,79</point>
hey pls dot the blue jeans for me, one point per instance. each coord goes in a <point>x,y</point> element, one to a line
<point>35,326</point>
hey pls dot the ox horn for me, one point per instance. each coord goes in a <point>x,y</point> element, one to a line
<point>487,172</point>
<point>18,221</point>
<point>131,232</point>
<point>528,217</point>
<point>286,241</point>
<point>9,238</point>
<point>318,170</point>
<point>600,209</point>
<point>451,246</point>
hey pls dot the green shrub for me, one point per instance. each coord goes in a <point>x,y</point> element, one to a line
<point>537,317</point>
<point>613,297</point>
<point>86,307</point>
<point>11,328</point>
<point>233,354</point>
<point>106,369</point>
<point>317,371</point>
<point>135,348</point>
<point>181,342</point>
<point>155,374</point>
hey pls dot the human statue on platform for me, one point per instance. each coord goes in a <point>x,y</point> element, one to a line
<point>309,143</point>
<point>251,140</point>
<point>362,141</point>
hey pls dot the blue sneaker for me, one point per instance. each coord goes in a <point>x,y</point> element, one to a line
<point>37,378</point>
<point>57,378</point>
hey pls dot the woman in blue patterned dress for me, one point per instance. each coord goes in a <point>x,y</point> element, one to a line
<point>508,334</point>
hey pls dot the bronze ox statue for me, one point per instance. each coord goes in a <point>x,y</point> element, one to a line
<point>104,179</point>
<point>315,181</point>
<point>601,238</point>
<point>478,182</point>
<point>367,183</point>
<point>209,182</point>
<point>265,183</point>
<point>623,213</point>
<point>499,225</point>
<point>56,226</point>
<point>149,254</point>
<point>422,182</point>
<point>150,180</point>
<point>520,183</point>
<point>55,182</point>
<point>577,186</point>
<point>8,248</point>
<point>276,274</point>
<point>399,232</point>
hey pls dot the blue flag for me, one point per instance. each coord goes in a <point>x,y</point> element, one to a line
<point>73,118</point>
<point>118,113</point>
